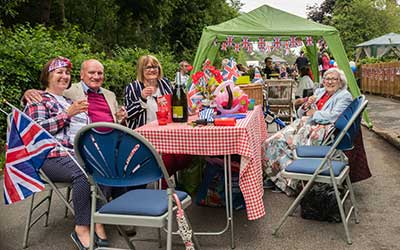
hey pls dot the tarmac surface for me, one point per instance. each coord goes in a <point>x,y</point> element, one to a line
<point>378,200</point>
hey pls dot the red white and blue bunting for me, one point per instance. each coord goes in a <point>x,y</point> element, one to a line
<point>262,44</point>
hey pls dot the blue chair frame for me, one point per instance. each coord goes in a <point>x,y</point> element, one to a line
<point>329,168</point>
<point>120,157</point>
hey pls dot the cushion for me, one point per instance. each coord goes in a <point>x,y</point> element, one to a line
<point>308,166</point>
<point>312,151</point>
<point>146,202</point>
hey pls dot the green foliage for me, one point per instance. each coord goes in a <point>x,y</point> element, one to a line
<point>349,17</point>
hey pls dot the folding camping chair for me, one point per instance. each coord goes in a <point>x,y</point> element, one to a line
<point>119,157</point>
<point>34,206</point>
<point>329,168</point>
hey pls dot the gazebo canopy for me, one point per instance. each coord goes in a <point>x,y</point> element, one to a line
<point>269,22</point>
<point>379,46</point>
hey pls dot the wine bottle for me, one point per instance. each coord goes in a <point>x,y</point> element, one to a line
<point>179,103</point>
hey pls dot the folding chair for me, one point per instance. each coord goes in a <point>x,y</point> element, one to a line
<point>330,169</point>
<point>119,157</point>
<point>50,187</point>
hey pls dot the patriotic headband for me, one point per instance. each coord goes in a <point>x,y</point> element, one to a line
<point>60,62</point>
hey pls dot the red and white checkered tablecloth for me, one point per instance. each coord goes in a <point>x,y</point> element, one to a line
<point>244,139</point>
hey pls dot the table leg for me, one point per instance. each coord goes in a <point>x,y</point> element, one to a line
<point>228,203</point>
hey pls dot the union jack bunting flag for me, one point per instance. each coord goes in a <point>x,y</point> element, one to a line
<point>309,41</point>
<point>229,41</point>
<point>293,42</point>
<point>277,42</point>
<point>268,47</point>
<point>250,48</point>
<point>245,42</point>
<point>237,47</point>
<point>223,46</point>
<point>230,71</point>
<point>261,43</point>
<point>287,50</point>
<point>215,42</point>
<point>257,76</point>
<point>28,145</point>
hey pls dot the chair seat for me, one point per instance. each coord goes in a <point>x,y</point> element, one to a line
<point>308,166</point>
<point>312,151</point>
<point>145,202</point>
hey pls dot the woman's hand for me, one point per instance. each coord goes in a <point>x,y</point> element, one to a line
<point>121,114</point>
<point>310,112</point>
<point>309,102</point>
<point>147,91</point>
<point>78,107</point>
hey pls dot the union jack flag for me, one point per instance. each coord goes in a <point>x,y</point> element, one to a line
<point>277,42</point>
<point>287,50</point>
<point>237,47</point>
<point>293,42</point>
<point>268,47</point>
<point>299,42</point>
<point>28,145</point>
<point>261,43</point>
<point>309,41</point>
<point>257,76</point>
<point>230,71</point>
<point>250,48</point>
<point>223,46</point>
<point>245,42</point>
<point>229,41</point>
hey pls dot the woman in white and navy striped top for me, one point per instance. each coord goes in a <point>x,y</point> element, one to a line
<point>141,95</point>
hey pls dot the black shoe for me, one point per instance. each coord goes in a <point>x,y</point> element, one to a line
<point>78,242</point>
<point>130,231</point>
<point>101,242</point>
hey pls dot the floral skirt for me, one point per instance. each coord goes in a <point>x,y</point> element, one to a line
<point>278,150</point>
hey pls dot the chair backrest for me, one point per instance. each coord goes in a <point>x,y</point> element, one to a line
<point>348,123</point>
<point>117,156</point>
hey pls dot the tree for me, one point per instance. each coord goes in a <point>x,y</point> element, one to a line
<point>349,17</point>
<point>321,14</point>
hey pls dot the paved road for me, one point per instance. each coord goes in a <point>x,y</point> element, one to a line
<point>378,197</point>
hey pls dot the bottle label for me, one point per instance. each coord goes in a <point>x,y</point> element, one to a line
<point>177,112</point>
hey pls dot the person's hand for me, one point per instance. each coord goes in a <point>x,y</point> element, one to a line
<point>310,101</point>
<point>78,107</point>
<point>147,91</point>
<point>311,112</point>
<point>121,114</point>
<point>32,95</point>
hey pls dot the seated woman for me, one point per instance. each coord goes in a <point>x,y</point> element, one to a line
<point>305,82</point>
<point>316,117</point>
<point>63,118</point>
<point>141,102</point>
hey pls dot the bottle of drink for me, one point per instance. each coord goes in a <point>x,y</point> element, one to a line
<point>179,103</point>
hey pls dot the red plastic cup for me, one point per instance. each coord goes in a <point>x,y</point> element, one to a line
<point>162,117</point>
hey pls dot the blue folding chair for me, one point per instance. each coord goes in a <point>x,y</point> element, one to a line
<point>329,168</point>
<point>116,156</point>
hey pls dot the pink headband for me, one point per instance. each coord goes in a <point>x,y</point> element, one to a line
<point>60,62</point>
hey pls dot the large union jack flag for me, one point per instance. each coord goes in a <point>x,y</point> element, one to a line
<point>27,147</point>
<point>230,71</point>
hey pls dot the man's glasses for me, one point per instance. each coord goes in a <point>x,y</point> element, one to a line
<point>151,67</point>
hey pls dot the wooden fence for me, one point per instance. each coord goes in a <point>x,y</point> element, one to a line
<point>381,78</point>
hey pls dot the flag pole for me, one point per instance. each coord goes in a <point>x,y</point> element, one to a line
<point>3,111</point>
<point>58,143</point>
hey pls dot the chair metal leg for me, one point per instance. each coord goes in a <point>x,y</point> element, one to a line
<point>93,210</point>
<point>353,200</point>
<point>28,222</point>
<point>68,196</point>
<point>159,238</point>
<point>341,209</point>
<point>126,237</point>
<point>293,206</point>
<point>46,221</point>
<point>170,212</point>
